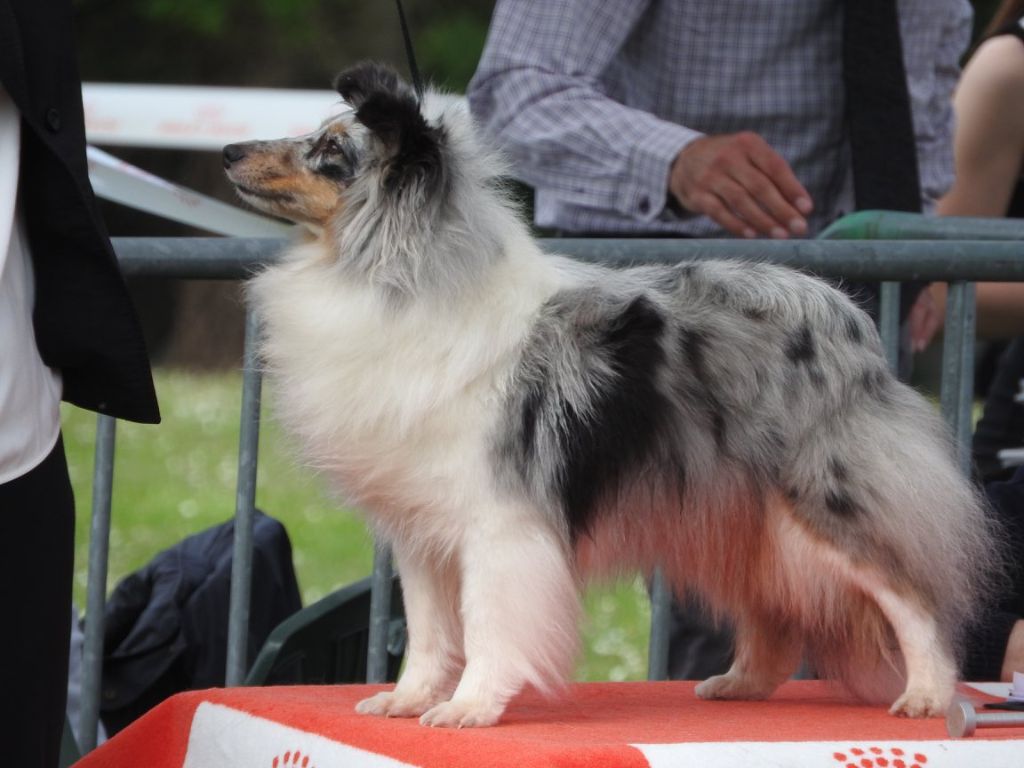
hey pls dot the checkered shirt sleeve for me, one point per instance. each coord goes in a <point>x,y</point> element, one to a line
<point>538,89</point>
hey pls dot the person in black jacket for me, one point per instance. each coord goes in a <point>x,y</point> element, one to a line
<point>67,330</point>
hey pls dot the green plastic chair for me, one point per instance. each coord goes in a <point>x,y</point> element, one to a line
<point>327,642</point>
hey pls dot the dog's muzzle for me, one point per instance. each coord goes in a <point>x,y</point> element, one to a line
<point>233,153</point>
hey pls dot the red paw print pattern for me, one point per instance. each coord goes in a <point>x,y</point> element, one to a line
<point>876,757</point>
<point>292,760</point>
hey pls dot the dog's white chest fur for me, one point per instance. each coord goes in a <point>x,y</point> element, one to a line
<point>386,398</point>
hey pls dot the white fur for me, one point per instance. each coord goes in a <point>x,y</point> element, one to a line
<point>397,412</point>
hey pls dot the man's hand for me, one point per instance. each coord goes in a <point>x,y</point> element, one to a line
<point>741,183</point>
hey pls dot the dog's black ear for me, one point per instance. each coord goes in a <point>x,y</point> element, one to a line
<point>360,81</point>
<point>415,148</point>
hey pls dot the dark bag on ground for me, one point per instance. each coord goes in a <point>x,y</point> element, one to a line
<point>167,624</point>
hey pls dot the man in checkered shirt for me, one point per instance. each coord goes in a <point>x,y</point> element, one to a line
<point>698,117</point>
<point>701,118</point>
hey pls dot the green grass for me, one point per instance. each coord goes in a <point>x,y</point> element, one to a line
<point>179,477</point>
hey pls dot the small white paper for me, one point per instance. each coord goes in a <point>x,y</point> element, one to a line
<point>1017,692</point>
<point>1011,457</point>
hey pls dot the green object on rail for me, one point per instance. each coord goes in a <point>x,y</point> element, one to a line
<point>892,225</point>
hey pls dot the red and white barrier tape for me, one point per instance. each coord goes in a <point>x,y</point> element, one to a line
<point>199,117</point>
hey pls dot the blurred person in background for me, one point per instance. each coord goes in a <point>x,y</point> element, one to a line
<point>989,152</point>
<point>699,118</point>
<point>989,107</point>
<point>67,330</point>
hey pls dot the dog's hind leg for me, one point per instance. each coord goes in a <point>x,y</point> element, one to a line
<point>767,652</point>
<point>859,652</point>
<point>430,592</point>
<point>520,607</point>
<point>930,667</point>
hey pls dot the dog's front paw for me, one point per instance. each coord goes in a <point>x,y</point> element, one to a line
<point>395,704</point>
<point>462,714</point>
<point>921,702</point>
<point>731,686</point>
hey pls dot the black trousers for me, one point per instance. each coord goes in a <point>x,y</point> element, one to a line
<point>37,550</point>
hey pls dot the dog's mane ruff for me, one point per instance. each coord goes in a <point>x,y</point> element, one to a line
<point>426,220</point>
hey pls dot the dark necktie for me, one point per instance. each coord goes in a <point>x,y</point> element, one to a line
<point>881,130</point>
<point>883,151</point>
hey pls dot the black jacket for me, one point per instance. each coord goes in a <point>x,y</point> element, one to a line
<point>166,625</point>
<point>85,324</point>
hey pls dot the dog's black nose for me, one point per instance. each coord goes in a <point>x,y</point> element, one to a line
<point>233,153</point>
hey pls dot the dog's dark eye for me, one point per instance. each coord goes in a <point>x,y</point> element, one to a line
<point>332,147</point>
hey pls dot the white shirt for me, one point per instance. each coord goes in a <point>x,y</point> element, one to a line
<point>30,391</point>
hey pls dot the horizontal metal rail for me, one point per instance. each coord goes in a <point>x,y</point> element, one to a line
<point>939,260</point>
<point>938,254</point>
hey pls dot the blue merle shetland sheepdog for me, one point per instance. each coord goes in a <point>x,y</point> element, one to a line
<point>514,423</point>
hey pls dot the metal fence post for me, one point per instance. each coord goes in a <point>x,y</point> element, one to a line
<point>380,615</point>
<point>96,591</point>
<point>889,322</point>
<point>245,508</point>
<point>661,614</point>
<point>957,396</point>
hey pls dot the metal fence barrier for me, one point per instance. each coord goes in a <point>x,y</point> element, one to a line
<point>957,251</point>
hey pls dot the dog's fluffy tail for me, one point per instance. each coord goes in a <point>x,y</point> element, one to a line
<point>904,521</point>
